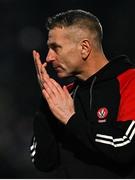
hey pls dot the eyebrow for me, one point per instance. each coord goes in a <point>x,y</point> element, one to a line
<point>53,45</point>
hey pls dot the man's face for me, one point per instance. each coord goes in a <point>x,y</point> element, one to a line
<point>64,52</point>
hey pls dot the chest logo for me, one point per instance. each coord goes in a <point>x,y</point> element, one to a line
<point>102,114</point>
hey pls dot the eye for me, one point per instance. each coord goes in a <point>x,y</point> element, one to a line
<point>55,47</point>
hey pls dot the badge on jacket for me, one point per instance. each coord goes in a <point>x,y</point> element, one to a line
<point>102,114</point>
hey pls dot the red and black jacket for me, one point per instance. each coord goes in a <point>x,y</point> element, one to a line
<point>99,139</point>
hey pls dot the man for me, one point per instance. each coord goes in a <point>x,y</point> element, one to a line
<point>85,129</point>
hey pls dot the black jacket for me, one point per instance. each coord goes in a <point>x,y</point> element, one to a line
<point>98,140</point>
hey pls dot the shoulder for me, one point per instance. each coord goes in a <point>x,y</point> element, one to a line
<point>126,79</point>
<point>127,100</point>
<point>130,73</point>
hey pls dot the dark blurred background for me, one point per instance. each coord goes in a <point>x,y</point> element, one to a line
<point>22,29</point>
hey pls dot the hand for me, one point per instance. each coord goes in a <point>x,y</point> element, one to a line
<point>58,98</point>
<point>40,68</point>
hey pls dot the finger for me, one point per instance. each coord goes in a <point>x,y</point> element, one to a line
<point>59,89</point>
<point>57,86</point>
<point>41,83</point>
<point>36,55</point>
<point>38,66</point>
<point>66,92</point>
<point>37,61</point>
<point>55,91</point>
<point>48,85</point>
<point>49,93</point>
<point>43,71</point>
<point>47,97</point>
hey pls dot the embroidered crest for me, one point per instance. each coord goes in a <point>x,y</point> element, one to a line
<point>102,114</point>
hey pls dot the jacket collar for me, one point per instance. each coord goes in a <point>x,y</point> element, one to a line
<point>111,70</point>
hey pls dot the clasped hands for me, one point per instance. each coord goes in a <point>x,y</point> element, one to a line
<point>58,98</point>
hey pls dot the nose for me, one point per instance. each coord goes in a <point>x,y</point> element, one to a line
<point>51,56</point>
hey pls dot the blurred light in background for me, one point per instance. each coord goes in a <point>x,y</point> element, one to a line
<point>30,38</point>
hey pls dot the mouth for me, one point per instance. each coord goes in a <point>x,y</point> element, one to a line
<point>57,68</point>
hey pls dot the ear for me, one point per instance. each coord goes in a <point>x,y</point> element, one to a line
<point>85,49</point>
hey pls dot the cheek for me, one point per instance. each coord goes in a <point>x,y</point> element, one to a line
<point>73,63</point>
<point>70,59</point>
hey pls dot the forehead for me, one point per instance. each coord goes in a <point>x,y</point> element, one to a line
<point>57,34</point>
<point>67,34</point>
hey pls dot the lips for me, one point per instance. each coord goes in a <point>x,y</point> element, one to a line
<point>56,67</point>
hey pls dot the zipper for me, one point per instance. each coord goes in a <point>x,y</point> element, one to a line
<point>91,89</point>
<point>73,94</point>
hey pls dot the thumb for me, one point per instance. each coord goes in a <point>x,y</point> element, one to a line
<point>66,91</point>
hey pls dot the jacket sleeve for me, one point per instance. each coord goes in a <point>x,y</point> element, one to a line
<point>115,140</point>
<point>44,147</point>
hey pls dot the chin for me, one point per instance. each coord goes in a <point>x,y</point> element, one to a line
<point>62,75</point>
